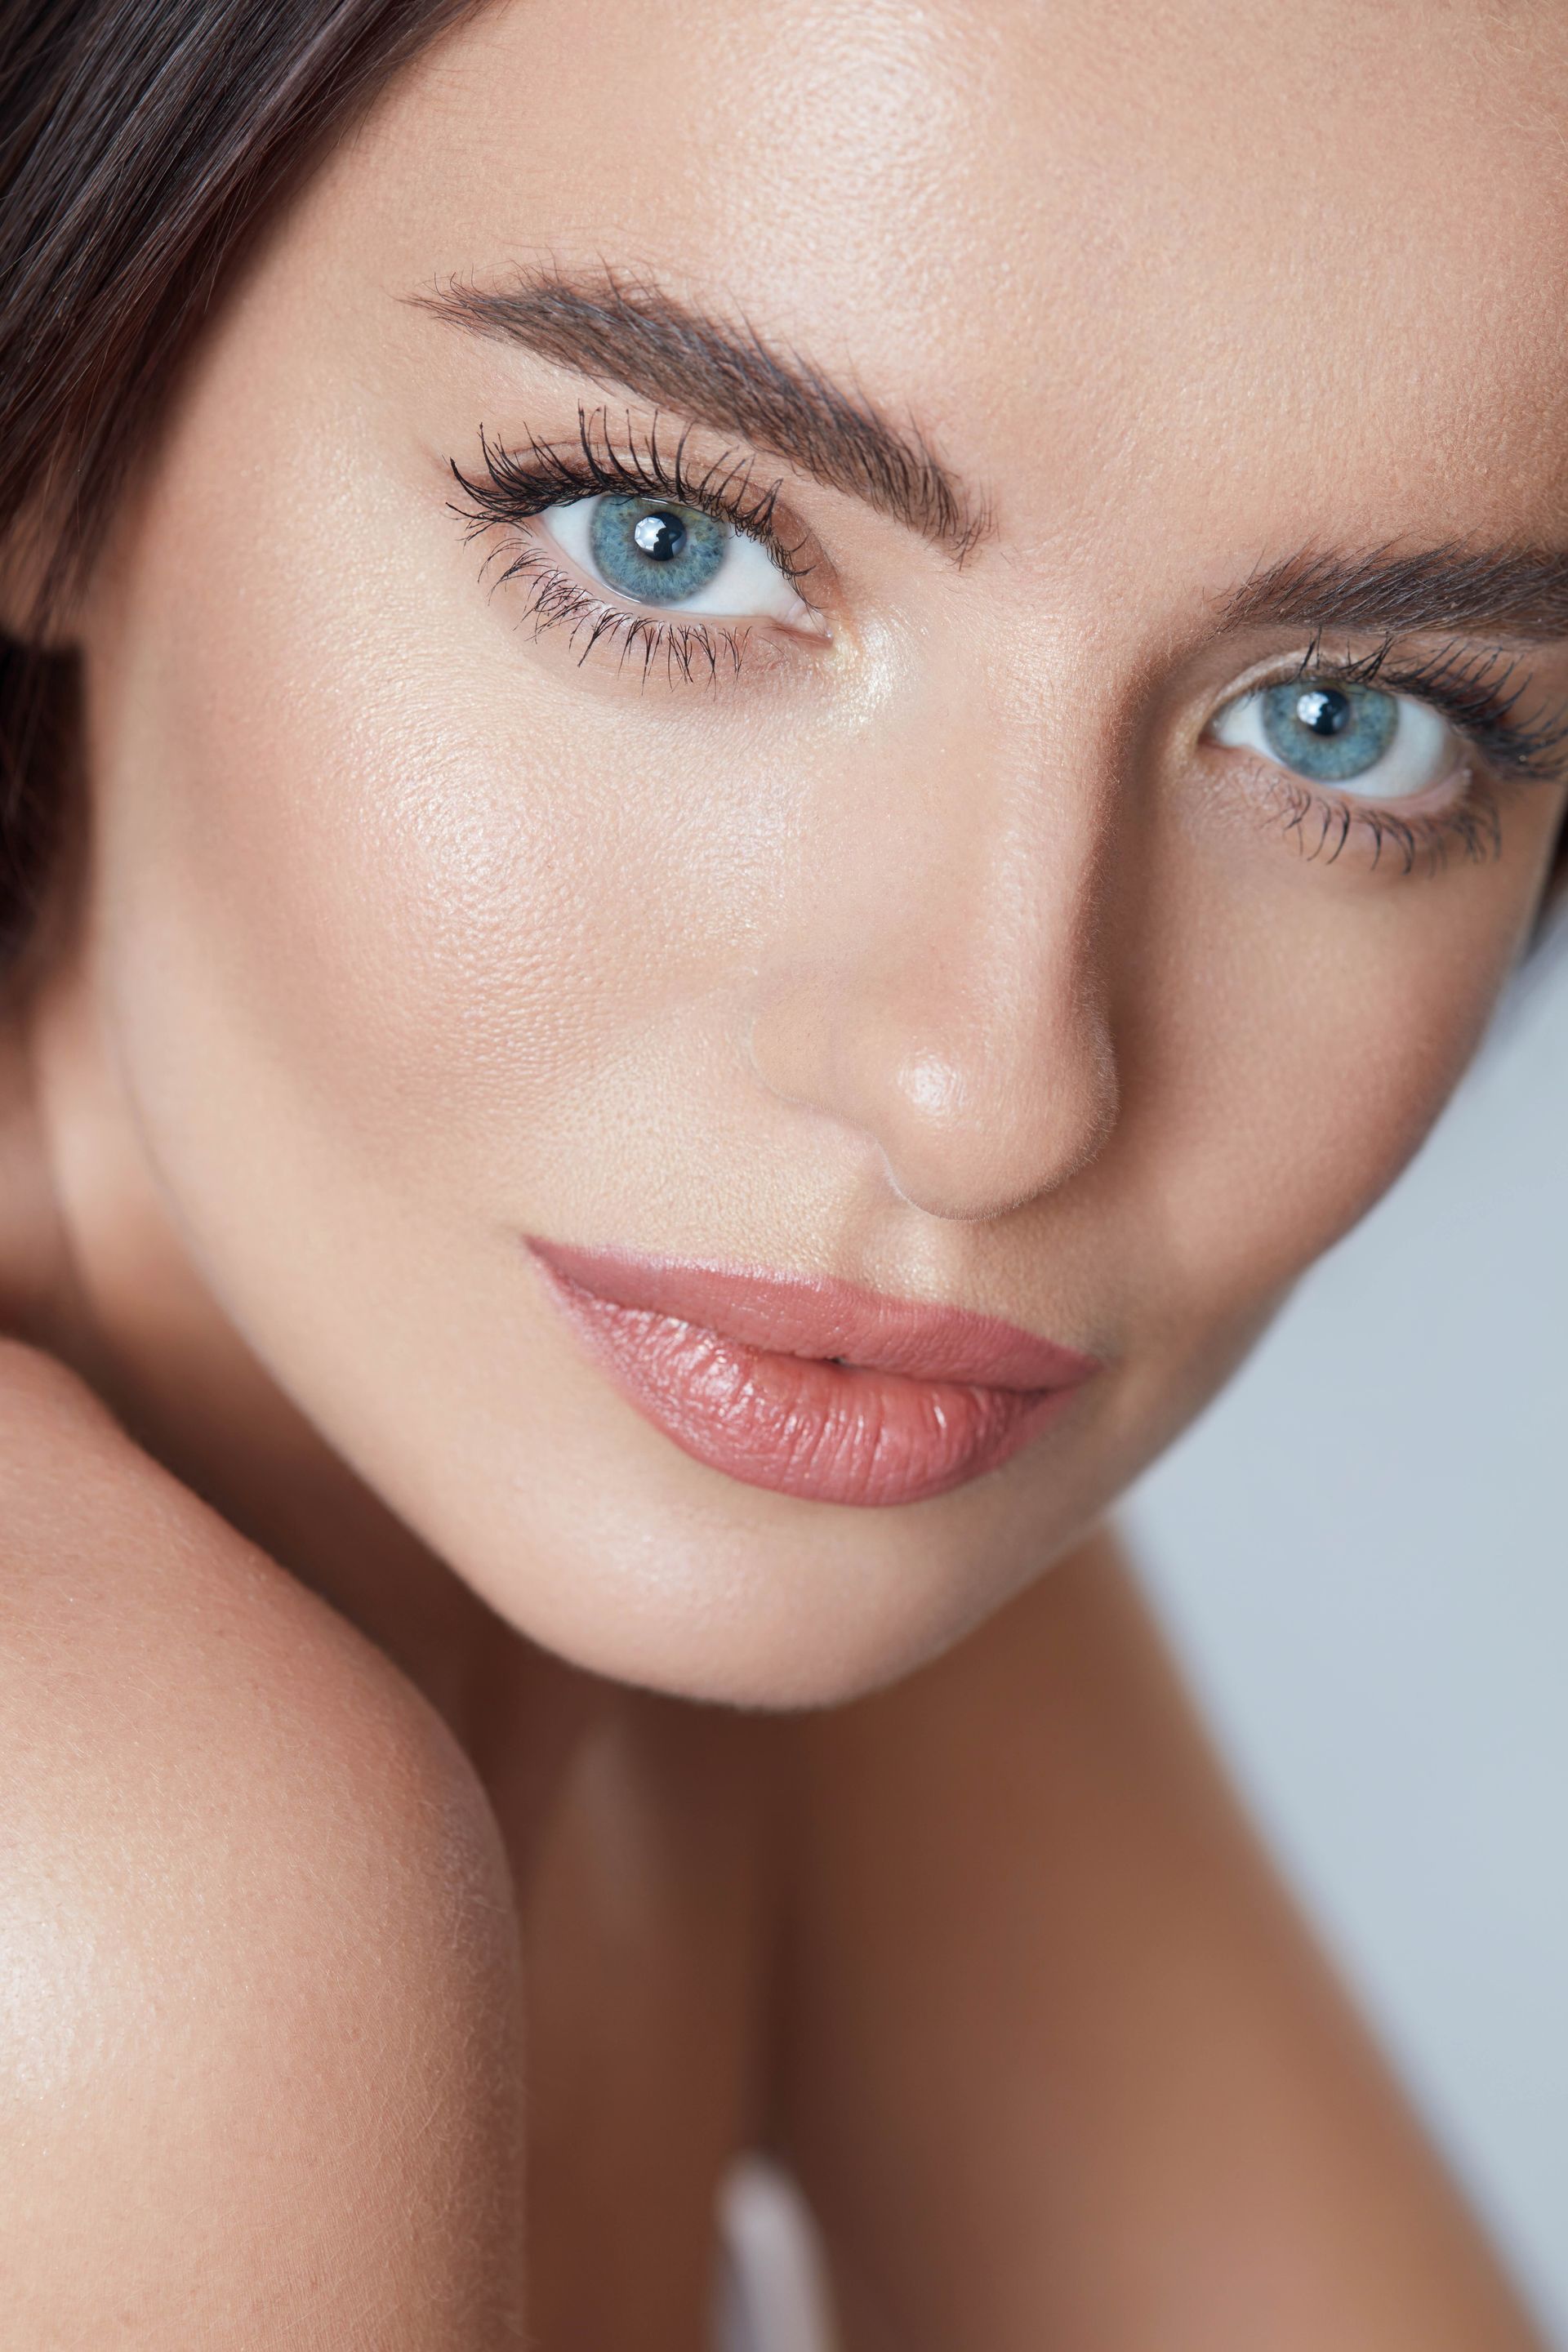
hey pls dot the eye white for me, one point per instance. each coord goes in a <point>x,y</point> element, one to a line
<point>1421,751</point>
<point>748,584</point>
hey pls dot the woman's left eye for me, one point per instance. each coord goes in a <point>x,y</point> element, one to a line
<point>660,552</point>
<point>1361,741</point>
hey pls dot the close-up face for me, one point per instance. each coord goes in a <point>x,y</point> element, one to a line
<point>773,661</point>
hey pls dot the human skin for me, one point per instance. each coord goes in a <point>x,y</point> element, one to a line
<point>942,948</point>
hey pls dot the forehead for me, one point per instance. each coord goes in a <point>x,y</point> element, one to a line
<point>1099,249</point>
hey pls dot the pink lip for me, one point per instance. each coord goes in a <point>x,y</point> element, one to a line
<point>813,1388</point>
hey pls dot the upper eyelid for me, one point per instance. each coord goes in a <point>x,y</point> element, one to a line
<point>1478,688</point>
<point>513,490</point>
<point>519,486</point>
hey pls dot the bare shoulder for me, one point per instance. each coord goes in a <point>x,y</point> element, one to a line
<point>76,1495</point>
<point>107,1562</point>
<point>255,1930</point>
<point>127,1603</point>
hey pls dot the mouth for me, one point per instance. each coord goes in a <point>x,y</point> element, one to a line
<point>816,1389</point>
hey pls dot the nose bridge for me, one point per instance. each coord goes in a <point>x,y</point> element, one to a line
<point>941,987</point>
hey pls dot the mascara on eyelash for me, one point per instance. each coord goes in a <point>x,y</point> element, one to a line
<point>1322,823</point>
<point>689,647</point>
<point>1472,828</point>
<point>1478,691</point>
<point>518,486</point>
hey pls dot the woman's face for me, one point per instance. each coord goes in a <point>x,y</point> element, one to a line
<point>904,646</point>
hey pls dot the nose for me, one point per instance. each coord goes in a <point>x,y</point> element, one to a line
<point>943,993</point>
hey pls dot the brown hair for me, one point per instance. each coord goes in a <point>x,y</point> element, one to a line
<point>141,143</point>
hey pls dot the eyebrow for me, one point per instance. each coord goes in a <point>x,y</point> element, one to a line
<point>630,335</point>
<point>1509,592</point>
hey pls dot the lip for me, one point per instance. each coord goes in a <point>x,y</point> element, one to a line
<point>813,1388</point>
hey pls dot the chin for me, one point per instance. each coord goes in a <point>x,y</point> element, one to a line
<point>656,1570</point>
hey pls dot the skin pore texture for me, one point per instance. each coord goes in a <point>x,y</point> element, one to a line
<point>1085,367</point>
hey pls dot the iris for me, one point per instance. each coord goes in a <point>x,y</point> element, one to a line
<point>654,550</point>
<point>1329,733</point>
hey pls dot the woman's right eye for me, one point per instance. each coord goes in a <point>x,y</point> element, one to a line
<point>658,553</point>
<point>1361,741</point>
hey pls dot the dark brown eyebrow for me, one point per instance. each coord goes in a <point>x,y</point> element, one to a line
<point>1508,593</point>
<point>629,335</point>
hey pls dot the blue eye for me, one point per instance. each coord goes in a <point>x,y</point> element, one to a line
<point>660,553</point>
<point>657,552</point>
<point>1329,732</point>
<point>1365,743</point>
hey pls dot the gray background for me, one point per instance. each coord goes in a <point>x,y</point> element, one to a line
<point>1362,1554</point>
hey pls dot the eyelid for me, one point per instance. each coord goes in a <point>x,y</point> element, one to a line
<point>1324,820</point>
<point>573,541</point>
<point>504,499</point>
<point>1423,753</point>
<point>516,485</point>
<point>1483,692</point>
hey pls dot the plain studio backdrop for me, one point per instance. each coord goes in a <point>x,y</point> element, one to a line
<point>1362,1554</point>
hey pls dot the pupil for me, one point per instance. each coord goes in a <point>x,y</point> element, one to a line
<point>660,536</point>
<point>1324,710</point>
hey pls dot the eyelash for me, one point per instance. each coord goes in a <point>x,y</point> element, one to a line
<point>517,487</point>
<point>1479,694</point>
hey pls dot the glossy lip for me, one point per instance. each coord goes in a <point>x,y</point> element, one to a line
<point>813,1388</point>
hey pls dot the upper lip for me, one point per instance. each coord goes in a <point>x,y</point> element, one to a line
<point>837,1321</point>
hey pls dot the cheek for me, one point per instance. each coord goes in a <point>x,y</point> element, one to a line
<point>361,845</point>
<point>1301,1038</point>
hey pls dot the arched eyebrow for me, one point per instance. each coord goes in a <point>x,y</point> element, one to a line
<point>628,335</point>
<point>1516,595</point>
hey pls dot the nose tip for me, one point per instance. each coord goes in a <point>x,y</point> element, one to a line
<point>968,1125</point>
<point>933,1088</point>
<point>969,1146</point>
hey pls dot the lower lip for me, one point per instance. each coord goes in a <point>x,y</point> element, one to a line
<point>825,1431</point>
